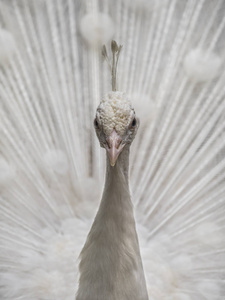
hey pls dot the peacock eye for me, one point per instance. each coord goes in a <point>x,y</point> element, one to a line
<point>96,123</point>
<point>134,122</point>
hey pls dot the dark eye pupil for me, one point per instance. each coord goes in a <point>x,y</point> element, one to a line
<point>96,123</point>
<point>134,122</point>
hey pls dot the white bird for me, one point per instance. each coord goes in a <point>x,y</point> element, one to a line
<point>111,266</point>
<point>52,79</point>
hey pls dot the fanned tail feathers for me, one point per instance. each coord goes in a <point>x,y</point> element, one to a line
<point>51,166</point>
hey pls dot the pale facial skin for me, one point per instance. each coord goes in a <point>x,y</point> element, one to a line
<point>115,124</point>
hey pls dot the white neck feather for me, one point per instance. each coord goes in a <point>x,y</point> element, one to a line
<point>111,266</point>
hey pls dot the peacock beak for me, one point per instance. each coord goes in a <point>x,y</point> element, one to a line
<point>114,147</point>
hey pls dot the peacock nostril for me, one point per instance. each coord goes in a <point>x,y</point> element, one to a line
<point>108,143</point>
<point>118,143</point>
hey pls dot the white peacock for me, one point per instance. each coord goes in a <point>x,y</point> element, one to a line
<point>52,169</point>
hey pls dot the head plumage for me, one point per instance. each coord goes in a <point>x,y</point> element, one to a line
<point>115,57</point>
<point>115,109</point>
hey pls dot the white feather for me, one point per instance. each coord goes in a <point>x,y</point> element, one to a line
<point>209,290</point>
<point>148,5</point>
<point>49,92</point>
<point>57,161</point>
<point>7,172</point>
<point>97,28</point>
<point>8,46</point>
<point>146,109</point>
<point>201,65</point>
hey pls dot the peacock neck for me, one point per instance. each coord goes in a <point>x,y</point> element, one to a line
<point>111,266</point>
<point>120,170</point>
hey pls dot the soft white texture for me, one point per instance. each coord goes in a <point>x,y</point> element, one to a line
<point>201,65</point>
<point>49,273</point>
<point>49,95</point>
<point>146,109</point>
<point>56,160</point>
<point>7,46</point>
<point>209,234</point>
<point>209,290</point>
<point>115,111</point>
<point>148,5</point>
<point>179,296</point>
<point>97,28</point>
<point>7,172</point>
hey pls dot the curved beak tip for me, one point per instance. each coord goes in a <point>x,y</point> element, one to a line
<point>112,164</point>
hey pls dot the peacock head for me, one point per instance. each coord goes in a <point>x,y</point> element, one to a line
<point>115,124</point>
